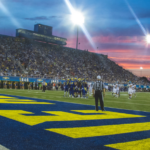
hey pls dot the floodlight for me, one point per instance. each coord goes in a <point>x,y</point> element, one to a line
<point>77,18</point>
<point>148,38</point>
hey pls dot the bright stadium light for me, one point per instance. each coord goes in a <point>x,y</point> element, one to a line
<point>141,68</point>
<point>148,38</point>
<point>77,18</point>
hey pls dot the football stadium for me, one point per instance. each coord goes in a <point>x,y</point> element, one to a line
<point>74,75</point>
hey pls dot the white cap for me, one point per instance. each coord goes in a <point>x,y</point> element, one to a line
<point>99,77</point>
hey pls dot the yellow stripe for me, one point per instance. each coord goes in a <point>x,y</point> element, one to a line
<point>82,132</point>
<point>134,145</point>
<point>18,115</point>
<point>21,101</point>
<point>6,97</point>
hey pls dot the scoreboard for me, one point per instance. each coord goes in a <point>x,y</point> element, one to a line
<point>40,37</point>
<point>43,29</point>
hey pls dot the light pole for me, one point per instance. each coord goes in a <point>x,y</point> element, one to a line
<point>78,19</point>
<point>141,70</point>
<point>77,37</point>
<point>79,45</point>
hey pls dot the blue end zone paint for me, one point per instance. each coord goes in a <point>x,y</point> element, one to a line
<point>19,136</point>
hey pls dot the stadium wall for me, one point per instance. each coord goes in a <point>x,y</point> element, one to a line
<point>20,79</point>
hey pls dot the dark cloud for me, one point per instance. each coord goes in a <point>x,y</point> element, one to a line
<point>42,18</point>
<point>46,3</point>
<point>115,46</point>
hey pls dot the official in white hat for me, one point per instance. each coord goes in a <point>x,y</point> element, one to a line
<point>99,92</point>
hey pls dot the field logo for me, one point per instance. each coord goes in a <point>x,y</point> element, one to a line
<point>5,78</point>
<point>39,80</point>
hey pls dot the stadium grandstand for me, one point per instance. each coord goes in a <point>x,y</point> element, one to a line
<point>30,54</point>
<point>63,82</point>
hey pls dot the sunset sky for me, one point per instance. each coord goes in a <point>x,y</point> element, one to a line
<point>111,24</point>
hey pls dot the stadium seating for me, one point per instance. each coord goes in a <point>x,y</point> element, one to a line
<point>37,59</point>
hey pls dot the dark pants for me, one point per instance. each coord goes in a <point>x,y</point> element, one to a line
<point>98,95</point>
<point>44,88</point>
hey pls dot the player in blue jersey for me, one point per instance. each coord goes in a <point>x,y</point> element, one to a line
<point>76,89</point>
<point>79,88</point>
<point>84,89</point>
<point>66,88</point>
<point>72,88</point>
<point>20,85</point>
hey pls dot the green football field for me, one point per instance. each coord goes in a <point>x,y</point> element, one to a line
<point>141,102</point>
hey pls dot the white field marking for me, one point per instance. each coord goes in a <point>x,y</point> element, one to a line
<point>3,148</point>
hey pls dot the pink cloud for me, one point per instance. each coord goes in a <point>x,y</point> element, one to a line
<point>131,58</point>
<point>119,39</point>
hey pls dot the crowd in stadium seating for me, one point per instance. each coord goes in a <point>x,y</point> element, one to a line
<point>36,59</point>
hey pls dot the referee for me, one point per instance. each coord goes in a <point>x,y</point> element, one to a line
<point>98,93</point>
<point>44,85</point>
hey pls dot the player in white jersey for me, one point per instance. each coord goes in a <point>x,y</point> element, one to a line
<point>147,88</point>
<point>90,89</point>
<point>106,87</point>
<point>134,90</point>
<point>114,93</point>
<point>130,91</point>
<point>117,90</point>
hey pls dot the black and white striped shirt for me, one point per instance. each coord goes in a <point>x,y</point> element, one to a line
<point>98,85</point>
<point>43,83</point>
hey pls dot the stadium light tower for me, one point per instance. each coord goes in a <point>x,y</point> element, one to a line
<point>78,19</point>
<point>141,68</point>
<point>148,38</point>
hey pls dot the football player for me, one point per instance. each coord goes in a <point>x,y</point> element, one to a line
<point>114,90</point>
<point>86,89</point>
<point>79,88</point>
<point>76,89</point>
<point>90,89</point>
<point>71,88</point>
<point>130,90</point>
<point>117,90</point>
<point>134,89</point>
<point>66,88</point>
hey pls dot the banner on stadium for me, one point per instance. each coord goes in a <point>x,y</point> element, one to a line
<point>18,79</point>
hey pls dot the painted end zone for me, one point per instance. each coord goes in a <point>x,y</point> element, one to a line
<point>28,123</point>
